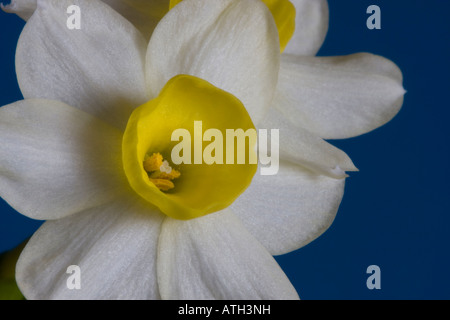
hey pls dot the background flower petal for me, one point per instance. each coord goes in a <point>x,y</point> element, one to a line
<point>214,257</point>
<point>231,44</point>
<point>56,160</point>
<point>339,97</point>
<point>98,68</point>
<point>23,8</point>
<point>143,14</point>
<point>311,26</point>
<point>114,246</point>
<point>290,209</point>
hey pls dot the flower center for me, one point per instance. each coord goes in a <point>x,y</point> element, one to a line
<point>160,172</point>
<point>163,141</point>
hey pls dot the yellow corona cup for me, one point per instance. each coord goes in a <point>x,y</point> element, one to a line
<point>186,190</point>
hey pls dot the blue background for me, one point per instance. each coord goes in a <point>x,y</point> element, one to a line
<point>395,211</point>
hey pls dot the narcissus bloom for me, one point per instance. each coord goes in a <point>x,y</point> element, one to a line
<point>86,149</point>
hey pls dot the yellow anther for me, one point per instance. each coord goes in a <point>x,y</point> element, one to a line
<point>163,184</point>
<point>153,162</point>
<point>159,172</point>
<point>164,175</point>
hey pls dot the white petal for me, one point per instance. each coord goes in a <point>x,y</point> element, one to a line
<point>311,26</point>
<point>339,97</point>
<point>113,245</point>
<point>290,209</point>
<point>56,160</point>
<point>299,146</point>
<point>98,68</point>
<point>23,8</point>
<point>232,44</point>
<point>144,15</point>
<point>214,257</point>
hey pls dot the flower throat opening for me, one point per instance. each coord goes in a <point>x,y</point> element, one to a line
<point>160,172</point>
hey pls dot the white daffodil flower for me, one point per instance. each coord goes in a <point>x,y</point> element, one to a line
<point>316,98</point>
<point>61,148</point>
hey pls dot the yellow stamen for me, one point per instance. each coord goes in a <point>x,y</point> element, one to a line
<point>164,175</point>
<point>163,184</point>
<point>159,172</point>
<point>153,162</point>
